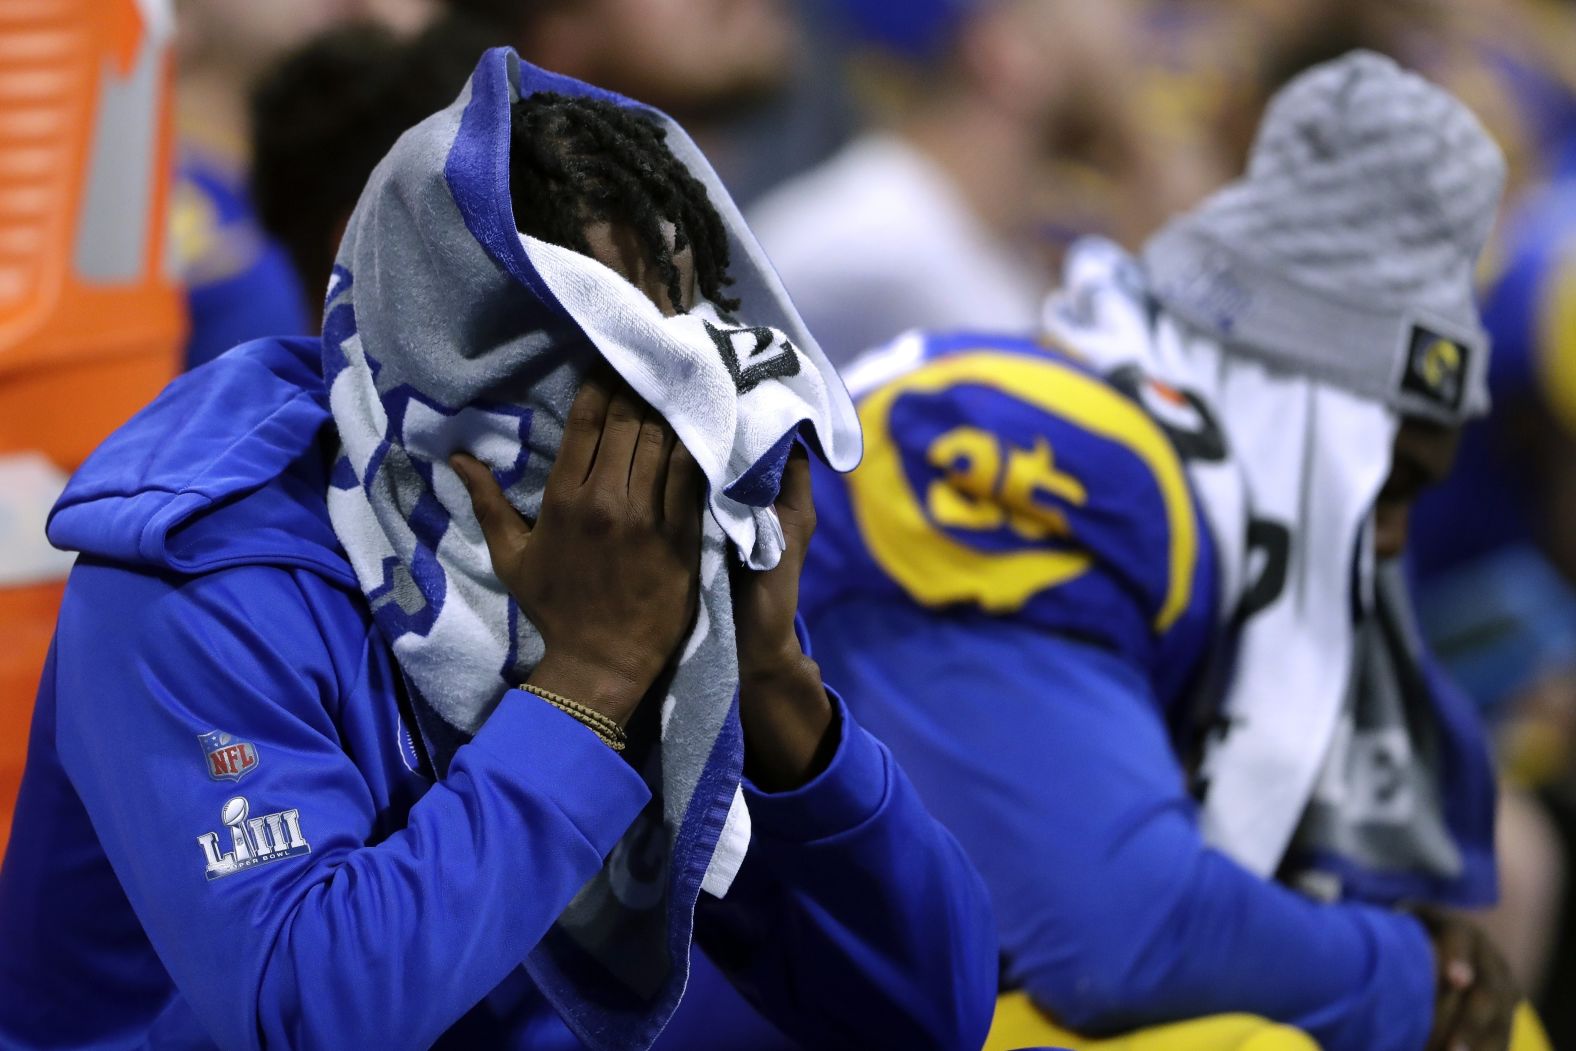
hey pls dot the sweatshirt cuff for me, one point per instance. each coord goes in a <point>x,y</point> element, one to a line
<point>849,792</point>
<point>530,742</point>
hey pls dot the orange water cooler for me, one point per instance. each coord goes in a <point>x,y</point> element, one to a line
<point>91,321</point>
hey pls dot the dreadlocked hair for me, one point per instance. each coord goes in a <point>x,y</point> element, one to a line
<point>575,161</point>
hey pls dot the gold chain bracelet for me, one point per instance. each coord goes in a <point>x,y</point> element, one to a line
<point>603,726</point>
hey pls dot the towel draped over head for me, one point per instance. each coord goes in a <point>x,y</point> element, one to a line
<point>1315,646</point>
<point>447,331</point>
<point>1309,307</point>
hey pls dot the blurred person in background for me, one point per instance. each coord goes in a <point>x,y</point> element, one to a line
<point>1495,56</point>
<point>996,116</point>
<point>1493,561</point>
<point>329,110</point>
<point>240,282</point>
<point>1503,588</point>
<point>693,58</point>
<point>90,318</point>
<point>1205,765</point>
<point>752,79</point>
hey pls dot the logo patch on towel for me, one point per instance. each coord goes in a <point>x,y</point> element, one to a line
<point>1436,368</point>
<point>754,366</point>
<point>258,841</point>
<point>227,758</point>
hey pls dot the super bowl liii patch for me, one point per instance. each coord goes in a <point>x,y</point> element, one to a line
<point>253,840</point>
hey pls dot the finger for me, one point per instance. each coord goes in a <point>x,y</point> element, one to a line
<point>1482,1022</point>
<point>504,530</point>
<point>1450,1028</point>
<point>1493,1020</point>
<point>796,502</point>
<point>1489,1010</point>
<point>1447,1008</point>
<point>681,508</point>
<point>620,435</point>
<point>1474,1017</point>
<point>1456,947</point>
<point>796,493</point>
<point>583,430</point>
<point>648,471</point>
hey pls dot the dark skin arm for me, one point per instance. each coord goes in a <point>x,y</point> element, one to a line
<point>1476,998</point>
<point>789,735</point>
<point>609,574</point>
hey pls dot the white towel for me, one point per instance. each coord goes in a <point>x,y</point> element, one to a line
<point>731,391</point>
<point>1307,461</point>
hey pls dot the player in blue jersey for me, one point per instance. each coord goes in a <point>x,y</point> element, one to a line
<point>231,832</point>
<point>239,281</point>
<point>1127,605</point>
<point>328,111</point>
<point>239,284</point>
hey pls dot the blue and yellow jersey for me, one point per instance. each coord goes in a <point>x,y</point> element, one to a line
<point>240,285</point>
<point>1005,479</point>
<point>1488,503</point>
<point>1515,74</point>
<point>1534,309</point>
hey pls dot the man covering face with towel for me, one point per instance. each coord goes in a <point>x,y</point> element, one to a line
<point>439,682</point>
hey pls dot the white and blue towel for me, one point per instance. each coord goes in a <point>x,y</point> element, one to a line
<point>1334,757</point>
<point>1304,463</point>
<point>446,331</point>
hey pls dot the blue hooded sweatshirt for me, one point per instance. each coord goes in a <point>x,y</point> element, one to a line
<point>227,837</point>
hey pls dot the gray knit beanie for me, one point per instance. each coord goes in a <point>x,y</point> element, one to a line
<point>1348,250</point>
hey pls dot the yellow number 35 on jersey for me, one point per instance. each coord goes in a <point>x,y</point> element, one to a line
<point>986,478</point>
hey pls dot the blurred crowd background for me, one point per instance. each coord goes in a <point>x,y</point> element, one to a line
<point>905,162</point>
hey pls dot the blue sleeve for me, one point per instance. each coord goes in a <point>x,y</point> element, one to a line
<point>1050,761</point>
<point>378,937</point>
<point>856,920</point>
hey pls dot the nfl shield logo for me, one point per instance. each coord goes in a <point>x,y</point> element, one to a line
<point>228,759</point>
